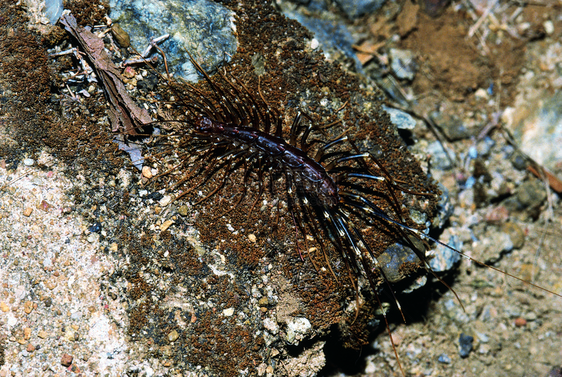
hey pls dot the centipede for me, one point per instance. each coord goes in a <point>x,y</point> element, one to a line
<point>327,191</point>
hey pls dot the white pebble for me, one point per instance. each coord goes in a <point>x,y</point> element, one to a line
<point>314,43</point>
<point>228,312</point>
<point>28,162</point>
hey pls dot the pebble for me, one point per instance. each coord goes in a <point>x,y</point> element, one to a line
<point>393,259</point>
<point>228,312</point>
<point>166,225</point>
<point>66,360</point>
<point>357,8</point>
<point>183,210</point>
<point>444,359</point>
<point>146,172</point>
<point>296,329</point>
<point>465,344</point>
<point>444,258</point>
<point>403,63</point>
<point>400,119</point>
<point>165,200</point>
<point>28,307</point>
<point>95,228</point>
<point>520,322</point>
<point>173,336</point>
<point>27,212</point>
<point>452,126</point>
<point>28,162</point>
<point>537,128</point>
<point>439,159</point>
<point>515,233</point>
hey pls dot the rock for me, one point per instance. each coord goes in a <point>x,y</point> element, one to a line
<point>173,336</point>
<point>400,119</point>
<point>199,27</point>
<point>537,128</point>
<point>403,63</point>
<point>465,345</point>
<point>66,360</point>
<point>297,329</point>
<point>452,126</point>
<point>357,8</point>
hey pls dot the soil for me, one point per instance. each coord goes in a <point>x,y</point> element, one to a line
<point>131,280</point>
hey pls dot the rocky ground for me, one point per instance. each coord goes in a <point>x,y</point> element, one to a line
<point>103,276</point>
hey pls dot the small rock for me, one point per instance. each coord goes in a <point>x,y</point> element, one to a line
<point>27,212</point>
<point>28,307</point>
<point>403,63</point>
<point>228,312</point>
<point>165,200</point>
<point>66,360</point>
<point>30,347</point>
<point>183,210</point>
<point>400,119</point>
<point>120,35</point>
<point>452,126</point>
<point>205,26</point>
<point>4,307</point>
<point>498,214</point>
<point>465,345</point>
<point>28,162</point>
<point>147,172</point>
<point>252,238</point>
<point>520,322</point>
<point>172,336</point>
<point>297,329</point>
<point>444,359</point>
<point>515,233</point>
<point>166,225</point>
<point>444,258</point>
<point>95,228</point>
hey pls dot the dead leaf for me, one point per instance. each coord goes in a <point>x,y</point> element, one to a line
<point>125,115</point>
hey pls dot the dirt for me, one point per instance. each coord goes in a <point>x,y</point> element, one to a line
<point>516,327</point>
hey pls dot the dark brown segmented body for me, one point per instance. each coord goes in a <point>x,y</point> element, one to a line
<point>309,174</point>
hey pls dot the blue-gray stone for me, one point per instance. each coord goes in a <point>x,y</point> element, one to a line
<point>465,345</point>
<point>444,258</point>
<point>53,10</point>
<point>357,8</point>
<point>444,359</point>
<point>331,35</point>
<point>393,258</point>
<point>203,28</point>
<point>400,119</point>
<point>403,63</point>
